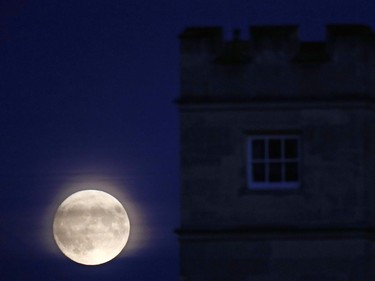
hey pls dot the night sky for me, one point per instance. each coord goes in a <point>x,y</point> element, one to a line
<point>86,101</point>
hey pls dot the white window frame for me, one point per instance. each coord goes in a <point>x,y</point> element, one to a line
<point>267,185</point>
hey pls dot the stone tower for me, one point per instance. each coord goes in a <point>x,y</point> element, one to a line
<point>277,155</point>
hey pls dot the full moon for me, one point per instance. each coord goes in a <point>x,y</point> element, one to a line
<point>91,227</point>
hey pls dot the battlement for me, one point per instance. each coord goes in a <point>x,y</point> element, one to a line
<point>275,38</point>
<point>274,62</point>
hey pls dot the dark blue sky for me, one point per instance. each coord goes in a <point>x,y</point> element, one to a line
<point>86,96</point>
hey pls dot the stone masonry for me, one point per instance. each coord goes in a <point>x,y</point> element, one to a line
<point>274,83</point>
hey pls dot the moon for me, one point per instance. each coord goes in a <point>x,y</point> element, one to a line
<point>91,227</point>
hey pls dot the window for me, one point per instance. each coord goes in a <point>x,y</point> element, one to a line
<point>273,162</point>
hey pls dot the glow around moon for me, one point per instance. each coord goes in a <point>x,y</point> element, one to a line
<point>91,227</point>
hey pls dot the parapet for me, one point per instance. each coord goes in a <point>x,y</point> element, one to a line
<point>348,30</point>
<point>277,38</point>
<point>274,61</point>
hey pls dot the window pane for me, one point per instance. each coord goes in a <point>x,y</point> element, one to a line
<point>259,172</point>
<point>274,149</point>
<point>291,148</point>
<point>275,172</point>
<point>291,171</point>
<point>258,149</point>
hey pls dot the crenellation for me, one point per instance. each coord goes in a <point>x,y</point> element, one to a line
<point>343,63</point>
<point>274,41</point>
<point>349,43</point>
<point>275,38</point>
<point>348,31</point>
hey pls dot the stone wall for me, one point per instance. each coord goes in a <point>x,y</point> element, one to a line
<point>214,161</point>
<point>321,91</point>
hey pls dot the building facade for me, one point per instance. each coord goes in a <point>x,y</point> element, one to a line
<point>277,155</point>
